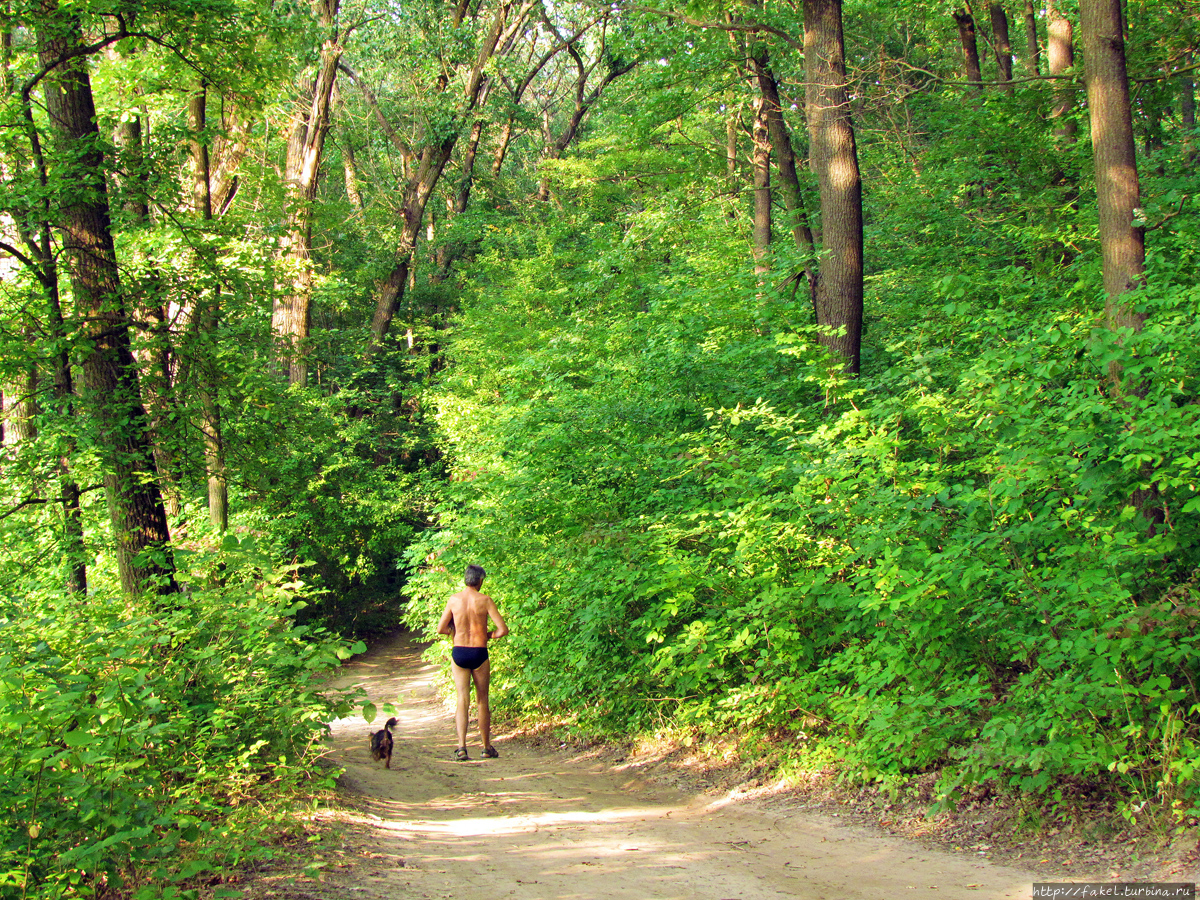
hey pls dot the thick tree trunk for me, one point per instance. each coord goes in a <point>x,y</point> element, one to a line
<point>762,192</point>
<point>1122,243</point>
<point>291,318</point>
<point>1117,189</point>
<point>834,158</point>
<point>970,50</point>
<point>139,521</point>
<point>1002,44</point>
<point>1060,53</point>
<point>38,238</point>
<point>1033,56</point>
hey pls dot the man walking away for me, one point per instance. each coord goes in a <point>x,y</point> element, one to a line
<point>466,620</point>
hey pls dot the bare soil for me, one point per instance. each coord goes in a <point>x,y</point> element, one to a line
<point>552,821</point>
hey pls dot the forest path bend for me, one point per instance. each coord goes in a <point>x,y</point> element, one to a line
<point>545,825</point>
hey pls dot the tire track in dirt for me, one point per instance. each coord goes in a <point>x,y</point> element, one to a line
<point>545,825</point>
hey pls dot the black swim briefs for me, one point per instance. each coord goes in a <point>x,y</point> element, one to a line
<point>469,657</point>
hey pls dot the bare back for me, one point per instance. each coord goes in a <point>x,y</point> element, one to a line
<point>466,618</point>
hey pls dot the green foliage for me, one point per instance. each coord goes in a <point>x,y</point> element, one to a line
<point>975,559</point>
<point>346,497</point>
<point>132,743</point>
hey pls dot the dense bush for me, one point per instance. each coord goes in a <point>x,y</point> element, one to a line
<point>133,744</point>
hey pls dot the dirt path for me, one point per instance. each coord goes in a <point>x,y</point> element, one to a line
<point>546,825</point>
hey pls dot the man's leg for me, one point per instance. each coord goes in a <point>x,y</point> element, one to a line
<point>462,686</point>
<point>482,679</point>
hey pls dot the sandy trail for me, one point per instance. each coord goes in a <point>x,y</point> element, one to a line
<point>545,825</point>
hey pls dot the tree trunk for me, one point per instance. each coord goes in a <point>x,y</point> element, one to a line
<point>129,146</point>
<point>1002,44</point>
<point>431,162</point>
<point>207,319</point>
<point>129,175</point>
<point>445,256</point>
<point>420,187</point>
<point>506,131</point>
<point>6,52</point>
<point>1122,245</point>
<point>517,92</point>
<point>130,179</point>
<point>1060,53</point>
<point>1187,96</point>
<point>349,162</point>
<point>785,158</point>
<point>230,146</point>
<point>39,239</point>
<point>762,192</point>
<point>19,401</point>
<point>197,121</point>
<point>350,171</point>
<point>463,196</point>
<point>139,521</point>
<point>970,50</point>
<point>291,318</point>
<point>1117,190</point>
<point>834,158</point>
<point>1033,55</point>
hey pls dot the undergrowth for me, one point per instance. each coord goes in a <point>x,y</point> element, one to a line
<point>147,751</point>
<point>977,560</point>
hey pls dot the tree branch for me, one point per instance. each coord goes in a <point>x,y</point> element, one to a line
<point>38,501</point>
<point>22,258</point>
<point>369,96</point>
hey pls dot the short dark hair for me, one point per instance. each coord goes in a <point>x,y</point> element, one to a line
<point>474,576</point>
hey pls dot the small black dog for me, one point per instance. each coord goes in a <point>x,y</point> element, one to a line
<point>381,744</point>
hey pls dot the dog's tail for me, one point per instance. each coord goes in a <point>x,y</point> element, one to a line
<point>391,723</point>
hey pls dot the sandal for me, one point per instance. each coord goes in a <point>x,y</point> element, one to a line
<point>491,752</point>
<point>461,754</point>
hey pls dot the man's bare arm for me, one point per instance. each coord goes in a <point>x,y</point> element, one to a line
<point>501,628</point>
<point>446,623</point>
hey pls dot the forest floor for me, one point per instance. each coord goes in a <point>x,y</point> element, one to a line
<point>551,821</point>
